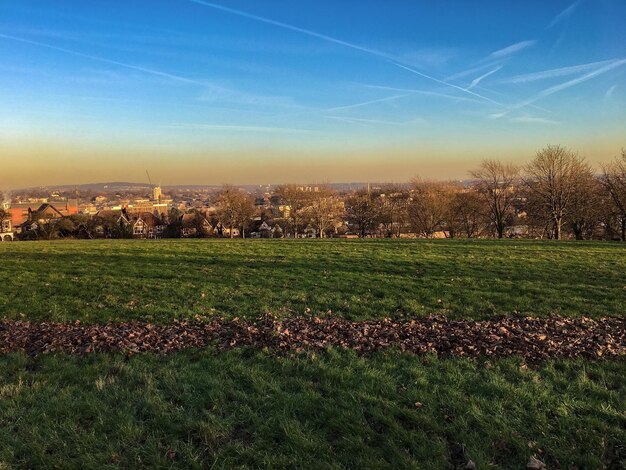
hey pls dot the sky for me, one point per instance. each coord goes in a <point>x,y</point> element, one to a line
<point>256,92</point>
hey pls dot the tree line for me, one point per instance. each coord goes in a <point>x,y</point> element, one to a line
<point>555,195</point>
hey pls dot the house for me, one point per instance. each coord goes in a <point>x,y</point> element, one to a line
<point>110,222</point>
<point>46,213</point>
<point>20,211</point>
<point>147,225</point>
<point>260,229</point>
<point>195,224</point>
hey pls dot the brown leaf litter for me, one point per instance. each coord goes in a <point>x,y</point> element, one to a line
<point>531,338</point>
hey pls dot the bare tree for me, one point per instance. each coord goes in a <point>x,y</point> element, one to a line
<point>429,207</point>
<point>325,210</point>
<point>554,178</point>
<point>363,211</point>
<point>614,181</point>
<point>468,208</point>
<point>296,200</point>
<point>585,213</point>
<point>394,208</point>
<point>497,182</point>
<point>234,208</point>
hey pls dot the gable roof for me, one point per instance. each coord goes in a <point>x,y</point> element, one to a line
<point>147,218</point>
<point>49,210</point>
<point>112,214</point>
<point>190,219</point>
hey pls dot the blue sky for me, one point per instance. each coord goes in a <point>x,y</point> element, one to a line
<point>254,92</point>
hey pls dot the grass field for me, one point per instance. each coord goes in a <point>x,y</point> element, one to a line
<point>250,409</point>
<point>98,281</point>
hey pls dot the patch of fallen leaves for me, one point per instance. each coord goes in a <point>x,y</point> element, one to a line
<point>531,338</point>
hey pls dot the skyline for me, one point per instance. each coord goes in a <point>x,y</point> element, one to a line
<point>208,93</point>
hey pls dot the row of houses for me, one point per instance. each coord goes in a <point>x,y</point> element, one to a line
<point>142,225</point>
<point>27,219</point>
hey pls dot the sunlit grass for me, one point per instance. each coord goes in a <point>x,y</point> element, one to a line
<point>251,409</point>
<point>98,281</point>
<point>244,408</point>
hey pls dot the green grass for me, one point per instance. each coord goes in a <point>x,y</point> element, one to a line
<point>333,410</point>
<point>244,408</point>
<point>97,281</point>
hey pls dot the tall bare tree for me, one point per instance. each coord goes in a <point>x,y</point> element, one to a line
<point>234,208</point>
<point>363,211</point>
<point>325,211</point>
<point>585,213</point>
<point>497,183</point>
<point>394,208</point>
<point>554,178</point>
<point>614,180</point>
<point>468,208</point>
<point>297,200</point>
<point>429,207</point>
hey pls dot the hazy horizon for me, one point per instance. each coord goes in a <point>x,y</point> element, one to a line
<point>247,93</point>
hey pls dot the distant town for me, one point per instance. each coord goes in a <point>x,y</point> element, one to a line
<point>557,195</point>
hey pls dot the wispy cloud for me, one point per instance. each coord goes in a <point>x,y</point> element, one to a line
<point>158,73</point>
<point>609,93</point>
<point>369,102</point>
<point>369,122</point>
<point>218,93</point>
<point>211,91</point>
<point>429,57</point>
<point>534,120</point>
<point>477,80</point>
<point>446,83</point>
<point>394,60</point>
<point>422,92</point>
<point>552,73</point>
<point>564,14</point>
<point>563,86</point>
<point>472,71</point>
<point>290,27</point>
<point>237,128</point>
<point>512,49</point>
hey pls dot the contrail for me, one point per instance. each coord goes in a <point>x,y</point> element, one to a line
<point>564,14</point>
<point>512,49</point>
<point>324,37</point>
<point>471,71</point>
<point>477,80</point>
<point>564,86</point>
<point>297,29</point>
<point>105,60</point>
<point>444,83</point>
<point>546,74</point>
<point>584,78</point>
<point>420,92</point>
<point>609,92</point>
<point>365,122</point>
<point>365,103</point>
